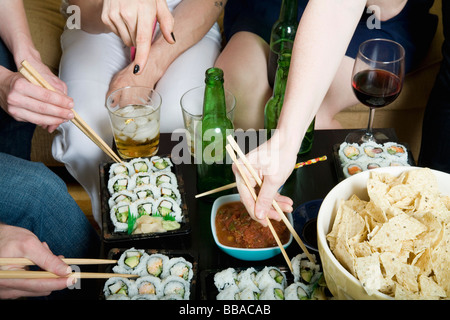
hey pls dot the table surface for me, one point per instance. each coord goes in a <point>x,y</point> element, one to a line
<point>305,184</point>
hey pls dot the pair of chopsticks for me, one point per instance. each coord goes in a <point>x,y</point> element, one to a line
<point>26,274</point>
<point>233,185</point>
<point>233,145</point>
<point>32,75</point>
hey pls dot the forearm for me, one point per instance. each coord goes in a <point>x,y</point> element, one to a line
<point>91,13</point>
<point>14,31</point>
<point>324,33</point>
<point>193,19</point>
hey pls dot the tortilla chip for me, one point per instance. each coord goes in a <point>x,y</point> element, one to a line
<point>369,273</point>
<point>430,289</point>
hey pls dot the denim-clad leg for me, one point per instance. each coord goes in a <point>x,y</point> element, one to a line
<point>435,147</point>
<point>35,198</point>
<point>15,136</point>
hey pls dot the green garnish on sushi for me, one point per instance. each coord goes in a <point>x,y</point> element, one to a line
<point>160,164</point>
<point>276,275</point>
<point>278,293</point>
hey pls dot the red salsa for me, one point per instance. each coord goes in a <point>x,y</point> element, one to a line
<point>235,228</point>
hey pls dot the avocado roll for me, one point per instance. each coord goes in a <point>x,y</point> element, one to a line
<point>270,276</point>
<point>140,179</point>
<point>296,291</point>
<point>130,261</point>
<point>304,270</point>
<point>168,207</point>
<point>272,292</point>
<point>139,165</point>
<point>143,207</point>
<point>252,293</point>
<point>119,215</point>
<point>174,285</point>
<point>160,164</point>
<point>120,168</point>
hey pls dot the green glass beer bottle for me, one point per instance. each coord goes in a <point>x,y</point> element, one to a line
<point>212,169</point>
<point>275,103</point>
<point>282,35</point>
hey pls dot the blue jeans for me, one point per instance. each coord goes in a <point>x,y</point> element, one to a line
<point>35,198</point>
<point>15,136</point>
<point>435,146</point>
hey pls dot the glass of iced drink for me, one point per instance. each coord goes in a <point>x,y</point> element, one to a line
<point>135,113</point>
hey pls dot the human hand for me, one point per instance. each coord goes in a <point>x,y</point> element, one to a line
<point>273,162</point>
<point>133,22</point>
<point>17,242</point>
<point>25,101</point>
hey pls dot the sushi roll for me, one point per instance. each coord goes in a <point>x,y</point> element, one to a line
<point>141,207</point>
<point>119,215</point>
<point>149,286</point>
<point>140,179</point>
<point>229,293</point>
<point>119,286</point>
<point>396,151</point>
<point>303,269</point>
<point>118,183</point>
<point>270,276</point>
<point>164,177</point>
<point>174,285</point>
<point>272,292</point>
<point>120,168</point>
<point>147,191</point>
<point>145,297</point>
<point>121,196</point>
<point>372,150</point>
<point>179,267</point>
<point>349,152</point>
<point>130,261</point>
<point>225,278</point>
<point>168,207</point>
<point>160,164</point>
<point>171,191</point>
<point>155,265</point>
<point>296,291</point>
<point>351,169</point>
<point>138,165</point>
<point>247,279</point>
<point>249,294</point>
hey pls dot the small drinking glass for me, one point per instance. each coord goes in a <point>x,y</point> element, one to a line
<point>135,115</point>
<point>377,80</point>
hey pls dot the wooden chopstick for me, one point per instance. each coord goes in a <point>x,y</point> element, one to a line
<point>31,74</point>
<point>25,274</point>
<point>274,203</point>
<point>234,184</point>
<point>252,191</point>
<point>75,261</point>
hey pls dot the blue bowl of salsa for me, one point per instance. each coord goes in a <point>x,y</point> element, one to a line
<point>238,235</point>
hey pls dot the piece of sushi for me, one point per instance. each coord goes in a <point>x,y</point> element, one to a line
<point>164,177</point>
<point>145,297</point>
<point>130,261</point>
<point>141,207</point>
<point>171,191</point>
<point>296,291</point>
<point>303,269</point>
<point>118,183</point>
<point>247,279</point>
<point>147,191</point>
<point>155,265</point>
<point>396,151</point>
<point>168,207</point>
<point>161,164</point>
<point>351,169</point>
<point>119,286</point>
<point>372,150</point>
<point>179,267</point>
<point>139,165</point>
<point>149,285</point>
<point>121,196</point>
<point>349,152</point>
<point>270,276</point>
<point>272,292</point>
<point>225,278</point>
<point>120,168</point>
<point>140,179</point>
<point>119,215</point>
<point>231,292</point>
<point>174,285</point>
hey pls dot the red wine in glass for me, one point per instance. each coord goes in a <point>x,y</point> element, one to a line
<point>376,88</point>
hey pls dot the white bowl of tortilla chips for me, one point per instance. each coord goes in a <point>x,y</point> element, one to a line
<point>385,234</point>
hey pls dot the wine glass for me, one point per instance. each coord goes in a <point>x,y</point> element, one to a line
<point>377,80</point>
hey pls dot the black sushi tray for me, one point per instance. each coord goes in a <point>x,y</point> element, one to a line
<point>109,234</point>
<point>208,289</point>
<point>189,255</point>
<point>338,163</point>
